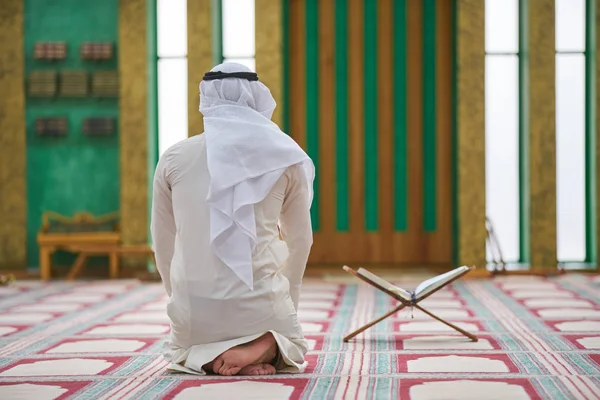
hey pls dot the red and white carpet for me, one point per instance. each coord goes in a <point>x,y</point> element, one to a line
<point>539,339</point>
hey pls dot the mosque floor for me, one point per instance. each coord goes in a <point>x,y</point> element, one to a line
<point>539,338</point>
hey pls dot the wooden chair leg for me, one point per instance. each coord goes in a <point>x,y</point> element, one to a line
<point>467,334</point>
<point>45,263</point>
<point>113,265</point>
<point>77,266</point>
<point>370,324</point>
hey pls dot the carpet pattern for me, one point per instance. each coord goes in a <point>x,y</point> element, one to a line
<point>539,339</point>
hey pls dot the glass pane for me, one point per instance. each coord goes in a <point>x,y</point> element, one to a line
<point>570,25</point>
<point>502,26</point>
<point>570,156</point>
<point>238,28</point>
<point>172,28</point>
<point>248,62</point>
<point>502,151</point>
<point>172,102</point>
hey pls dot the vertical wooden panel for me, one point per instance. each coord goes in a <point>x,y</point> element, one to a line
<point>200,58</point>
<point>356,123</point>
<point>542,135</point>
<point>13,196</point>
<point>415,119</point>
<point>133,120</point>
<point>297,65</point>
<point>385,132</point>
<point>406,246</point>
<point>470,149</point>
<point>350,33</point>
<point>441,244</point>
<point>269,50</point>
<point>327,115</point>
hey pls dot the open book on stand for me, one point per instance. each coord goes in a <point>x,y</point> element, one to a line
<point>423,290</point>
<point>410,298</point>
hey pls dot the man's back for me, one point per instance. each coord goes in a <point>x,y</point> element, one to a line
<point>203,288</point>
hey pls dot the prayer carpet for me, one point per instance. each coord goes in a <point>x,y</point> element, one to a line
<point>538,339</point>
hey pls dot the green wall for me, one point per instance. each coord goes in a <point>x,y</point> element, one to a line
<point>76,172</point>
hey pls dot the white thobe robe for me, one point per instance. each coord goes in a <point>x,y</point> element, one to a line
<point>210,308</point>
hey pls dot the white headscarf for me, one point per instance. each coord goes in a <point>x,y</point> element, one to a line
<point>247,153</point>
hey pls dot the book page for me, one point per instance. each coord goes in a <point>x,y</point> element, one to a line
<point>406,295</point>
<point>432,284</point>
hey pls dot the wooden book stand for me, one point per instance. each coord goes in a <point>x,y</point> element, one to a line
<point>405,303</point>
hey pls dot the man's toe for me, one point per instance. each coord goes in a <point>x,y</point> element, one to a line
<point>230,371</point>
<point>269,369</point>
<point>217,365</point>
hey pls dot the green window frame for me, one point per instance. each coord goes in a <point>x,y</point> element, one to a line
<point>218,48</point>
<point>589,54</point>
<point>521,53</point>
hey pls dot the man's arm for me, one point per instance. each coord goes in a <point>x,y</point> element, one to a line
<point>162,226</point>
<point>296,229</point>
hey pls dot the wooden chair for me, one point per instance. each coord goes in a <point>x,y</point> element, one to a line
<point>60,232</point>
<point>87,236</point>
<point>112,251</point>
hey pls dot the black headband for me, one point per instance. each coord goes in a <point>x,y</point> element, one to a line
<point>213,75</point>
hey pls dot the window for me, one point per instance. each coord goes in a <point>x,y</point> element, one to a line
<point>571,130</point>
<point>172,72</point>
<point>238,32</point>
<point>237,45</point>
<point>502,124</point>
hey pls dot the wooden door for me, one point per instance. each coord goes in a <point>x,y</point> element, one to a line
<point>369,96</point>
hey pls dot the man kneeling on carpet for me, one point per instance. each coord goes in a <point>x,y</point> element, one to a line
<point>220,200</point>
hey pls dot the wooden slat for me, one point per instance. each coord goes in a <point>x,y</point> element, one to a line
<point>355,111</point>
<point>406,247</point>
<point>296,85</point>
<point>385,53</point>
<point>327,115</point>
<point>415,128</point>
<point>297,75</point>
<point>441,245</point>
<point>356,126</point>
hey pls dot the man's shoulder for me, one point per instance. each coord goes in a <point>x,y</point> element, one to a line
<point>181,146</point>
<point>295,170</point>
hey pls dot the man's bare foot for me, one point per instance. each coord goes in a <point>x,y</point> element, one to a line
<point>260,351</point>
<point>258,369</point>
<point>209,367</point>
